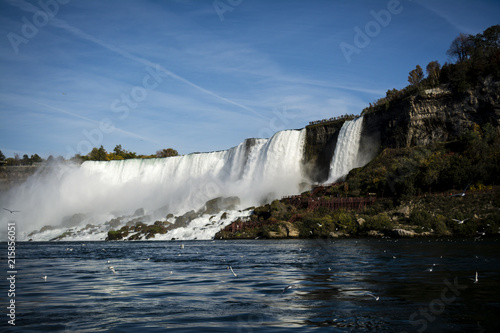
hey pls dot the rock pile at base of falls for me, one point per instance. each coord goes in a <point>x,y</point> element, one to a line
<point>133,227</point>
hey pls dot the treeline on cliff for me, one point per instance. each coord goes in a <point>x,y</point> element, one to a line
<point>96,154</point>
<point>118,153</point>
<point>476,57</point>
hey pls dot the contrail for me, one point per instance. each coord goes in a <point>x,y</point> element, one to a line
<point>79,33</point>
<point>95,122</point>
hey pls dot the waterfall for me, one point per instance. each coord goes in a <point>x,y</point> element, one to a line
<point>345,158</point>
<point>256,171</point>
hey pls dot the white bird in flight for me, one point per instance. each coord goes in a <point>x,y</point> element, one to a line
<point>229,267</point>
<point>460,221</point>
<point>463,193</point>
<point>476,279</point>
<point>111,268</point>
<point>286,288</point>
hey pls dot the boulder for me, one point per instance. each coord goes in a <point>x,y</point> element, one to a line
<point>73,221</point>
<point>403,233</point>
<point>375,233</point>
<point>139,212</point>
<point>336,234</point>
<point>216,205</point>
<point>291,230</point>
<point>360,221</point>
<point>182,221</point>
<point>47,227</point>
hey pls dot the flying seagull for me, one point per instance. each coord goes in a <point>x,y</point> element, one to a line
<point>475,280</point>
<point>374,297</point>
<point>460,221</point>
<point>229,267</point>
<point>12,211</point>
<point>286,288</point>
<point>463,193</point>
<point>111,268</point>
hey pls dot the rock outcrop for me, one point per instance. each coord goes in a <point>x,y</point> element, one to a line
<point>435,115</point>
<point>321,140</point>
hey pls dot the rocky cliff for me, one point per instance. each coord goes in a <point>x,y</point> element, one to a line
<point>321,140</point>
<point>14,175</point>
<point>433,115</point>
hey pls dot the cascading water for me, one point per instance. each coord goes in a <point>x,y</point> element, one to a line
<point>345,158</point>
<point>256,171</point>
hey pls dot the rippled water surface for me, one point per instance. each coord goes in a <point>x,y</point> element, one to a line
<point>336,286</point>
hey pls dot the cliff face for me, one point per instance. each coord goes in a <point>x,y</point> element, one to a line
<point>14,175</point>
<point>321,140</point>
<point>436,115</point>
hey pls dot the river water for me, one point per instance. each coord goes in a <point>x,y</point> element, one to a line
<point>364,285</point>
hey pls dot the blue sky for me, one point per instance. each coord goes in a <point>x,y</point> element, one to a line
<point>200,75</point>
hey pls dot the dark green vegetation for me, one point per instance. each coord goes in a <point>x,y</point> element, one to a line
<point>473,159</point>
<point>139,229</point>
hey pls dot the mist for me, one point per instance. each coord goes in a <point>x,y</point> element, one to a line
<point>256,171</point>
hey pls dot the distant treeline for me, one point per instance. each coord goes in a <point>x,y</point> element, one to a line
<point>96,154</point>
<point>477,57</point>
<point>17,160</point>
<point>326,120</point>
<point>118,153</point>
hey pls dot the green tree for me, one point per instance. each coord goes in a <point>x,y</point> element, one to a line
<point>416,76</point>
<point>26,160</point>
<point>2,156</point>
<point>120,153</point>
<point>118,150</point>
<point>36,159</point>
<point>98,154</point>
<point>432,70</point>
<point>167,152</point>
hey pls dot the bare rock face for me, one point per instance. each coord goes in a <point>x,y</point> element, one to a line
<point>435,115</point>
<point>74,220</point>
<point>319,148</point>
<point>403,233</point>
<point>216,205</point>
<point>375,233</point>
<point>291,230</point>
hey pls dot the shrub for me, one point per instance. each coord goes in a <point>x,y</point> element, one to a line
<point>114,235</point>
<point>421,218</point>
